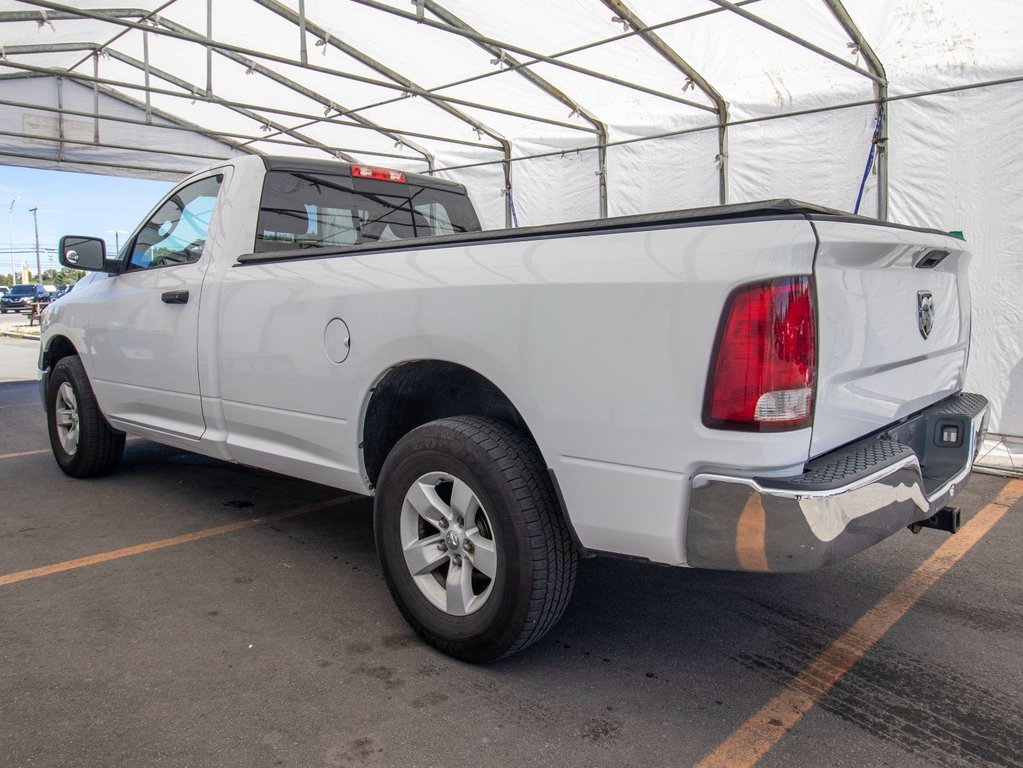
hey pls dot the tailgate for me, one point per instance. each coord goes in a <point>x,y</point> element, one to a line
<point>894,326</point>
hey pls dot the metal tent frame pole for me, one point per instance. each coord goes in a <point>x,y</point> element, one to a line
<point>225,138</point>
<point>192,93</point>
<point>545,86</point>
<point>476,37</point>
<point>782,32</point>
<point>147,108</point>
<point>880,90</point>
<point>529,62</point>
<point>123,20</point>
<point>308,93</point>
<point>305,24</point>
<point>670,55</point>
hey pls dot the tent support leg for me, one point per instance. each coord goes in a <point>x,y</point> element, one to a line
<point>723,156</point>
<point>602,173</point>
<point>693,79</point>
<point>877,74</point>
<point>145,70</point>
<point>209,51</point>
<point>95,96</point>
<point>882,154</point>
<point>508,223</point>
<point>60,119</point>
<point>303,51</point>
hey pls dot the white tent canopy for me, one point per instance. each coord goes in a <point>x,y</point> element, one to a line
<point>557,110</point>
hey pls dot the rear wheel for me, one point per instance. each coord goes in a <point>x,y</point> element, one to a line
<point>82,441</point>
<point>474,547</point>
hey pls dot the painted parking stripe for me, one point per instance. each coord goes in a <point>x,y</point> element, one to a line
<point>138,549</point>
<point>38,451</point>
<point>23,453</point>
<point>752,740</point>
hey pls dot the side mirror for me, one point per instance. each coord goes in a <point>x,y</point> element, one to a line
<point>88,253</point>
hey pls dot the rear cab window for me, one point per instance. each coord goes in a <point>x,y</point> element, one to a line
<point>314,208</point>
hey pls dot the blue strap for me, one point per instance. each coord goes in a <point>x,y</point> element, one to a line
<point>870,158</point>
<point>511,204</point>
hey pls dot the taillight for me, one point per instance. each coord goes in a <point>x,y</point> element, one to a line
<point>385,174</point>
<point>764,366</point>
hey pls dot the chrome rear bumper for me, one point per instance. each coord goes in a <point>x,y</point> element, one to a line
<point>843,503</point>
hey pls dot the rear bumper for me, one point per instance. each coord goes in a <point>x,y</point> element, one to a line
<point>844,501</point>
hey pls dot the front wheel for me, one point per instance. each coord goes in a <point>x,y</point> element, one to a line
<point>474,547</point>
<point>83,444</point>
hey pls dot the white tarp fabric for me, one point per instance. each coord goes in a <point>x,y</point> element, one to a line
<point>389,82</point>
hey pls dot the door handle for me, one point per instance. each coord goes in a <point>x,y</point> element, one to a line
<point>175,297</point>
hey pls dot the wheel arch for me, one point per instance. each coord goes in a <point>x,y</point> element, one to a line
<point>57,347</point>
<point>417,392</point>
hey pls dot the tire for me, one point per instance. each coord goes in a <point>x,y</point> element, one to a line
<point>490,477</point>
<point>83,442</point>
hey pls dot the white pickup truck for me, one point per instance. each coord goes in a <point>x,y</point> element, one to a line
<point>760,387</point>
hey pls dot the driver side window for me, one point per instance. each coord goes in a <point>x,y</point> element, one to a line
<point>177,232</point>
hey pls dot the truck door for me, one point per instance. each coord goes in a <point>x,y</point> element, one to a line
<point>144,332</point>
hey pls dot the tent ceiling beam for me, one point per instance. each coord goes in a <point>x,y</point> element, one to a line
<point>761,119</point>
<point>147,89</point>
<point>222,136</point>
<point>97,81</point>
<point>194,94</point>
<point>669,54</point>
<point>528,62</point>
<point>842,16</point>
<point>304,24</point>
<point>539,57</point>
<point>761,22</point>
<point>175,123</point>
<point>213,99</point>
<point>168,173</point>
<point>124,21</point>
<point>543,85</point>
<point>308,93</point>
<point>60,141</point>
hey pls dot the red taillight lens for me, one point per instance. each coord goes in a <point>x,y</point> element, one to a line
<point>764,366</point>
<point>385,174</point>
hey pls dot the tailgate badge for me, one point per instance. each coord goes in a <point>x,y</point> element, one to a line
<point>924,312</point>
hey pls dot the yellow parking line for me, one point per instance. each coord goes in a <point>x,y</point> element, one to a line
<point>751,740</point>
<point>23,453</point>
<point>138,549</point>
<point>46,450</point>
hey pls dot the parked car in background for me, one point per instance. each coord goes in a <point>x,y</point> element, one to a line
<point>50,289</point>
<point>22,296</point>
<point>3,289</point>
<point>62,290</point>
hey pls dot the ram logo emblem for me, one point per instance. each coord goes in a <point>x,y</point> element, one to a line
<point>925,312</point>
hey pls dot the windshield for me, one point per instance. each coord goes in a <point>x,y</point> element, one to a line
<point>23,290</point>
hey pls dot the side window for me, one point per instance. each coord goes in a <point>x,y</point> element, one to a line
<point>177,232</point>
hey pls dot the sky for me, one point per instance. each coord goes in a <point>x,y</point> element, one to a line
<point>68,204</point>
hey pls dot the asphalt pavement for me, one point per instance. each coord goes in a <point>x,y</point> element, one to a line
<point>19,358</point>
<point>144,622</point>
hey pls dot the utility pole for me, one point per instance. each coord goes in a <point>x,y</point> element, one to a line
<point>117,238</point>
<point>39,262</point>
<point>10,221</point>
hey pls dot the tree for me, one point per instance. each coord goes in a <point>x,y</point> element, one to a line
<point>62,276</point>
